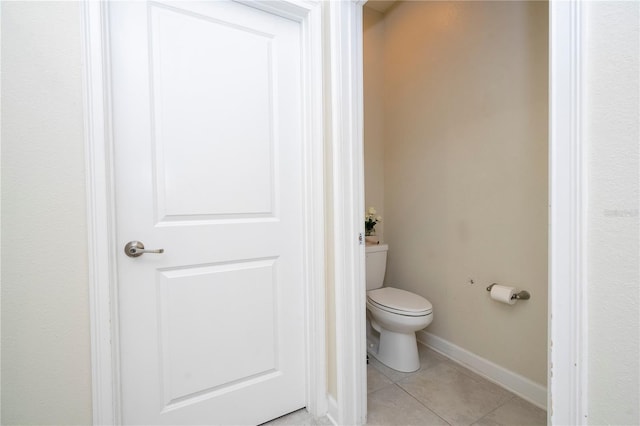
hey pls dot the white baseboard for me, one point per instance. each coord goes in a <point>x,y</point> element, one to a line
<point>513,382</point>
<point>333,409</point>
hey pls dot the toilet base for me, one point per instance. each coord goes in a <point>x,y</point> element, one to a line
<point>398,351</point>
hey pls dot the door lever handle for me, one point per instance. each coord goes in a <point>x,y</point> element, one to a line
<point>136,248</point>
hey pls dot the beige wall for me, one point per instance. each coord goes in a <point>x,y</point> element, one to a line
<point>373,33</point>
<point>46,374</point>
<point>612,135</point>
<point>465,170</point>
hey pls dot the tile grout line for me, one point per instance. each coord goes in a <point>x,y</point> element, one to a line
<point>396,383</point>
<point>421,403</point>
<point>499,406</point>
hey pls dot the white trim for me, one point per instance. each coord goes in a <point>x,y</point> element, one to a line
<point>314,211</point>
<point>513,382</point>
<point>567,197</point>
<point>344,25</point>
<point>100,224</point>
<point>100,207</point>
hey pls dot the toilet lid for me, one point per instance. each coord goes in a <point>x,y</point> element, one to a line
<point>401,301</point>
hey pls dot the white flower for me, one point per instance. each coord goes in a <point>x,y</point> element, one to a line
<point>379,219</point>
<point>372,211</point>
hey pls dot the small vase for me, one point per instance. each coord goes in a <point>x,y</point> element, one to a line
<point>371,240</point>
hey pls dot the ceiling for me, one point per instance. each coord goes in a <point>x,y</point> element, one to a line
<point>380,5</point>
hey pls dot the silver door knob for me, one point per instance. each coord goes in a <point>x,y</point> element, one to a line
<point>136,248</point>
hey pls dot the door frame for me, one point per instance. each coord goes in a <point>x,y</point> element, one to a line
<point>345,105</point>
<point>567,313</point>
<point>102,248</point>
<point>567,371</point>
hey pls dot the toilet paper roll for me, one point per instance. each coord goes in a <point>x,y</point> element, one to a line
<point>503,294</point>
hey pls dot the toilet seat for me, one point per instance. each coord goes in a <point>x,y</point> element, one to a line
<point>399,302</point>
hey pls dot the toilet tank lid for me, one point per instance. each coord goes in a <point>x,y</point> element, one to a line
<point>376,247</point>
<point>401,300</point>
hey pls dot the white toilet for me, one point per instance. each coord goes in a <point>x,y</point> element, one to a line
<point>395,314</point>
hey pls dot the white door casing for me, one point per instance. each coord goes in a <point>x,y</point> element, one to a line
<point>344,99</point>
<point>567,353</point>
<point>244,266</point>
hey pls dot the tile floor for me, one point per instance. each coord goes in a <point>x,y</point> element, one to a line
<point>441,392</point>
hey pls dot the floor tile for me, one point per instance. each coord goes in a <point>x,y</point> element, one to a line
<point>454,396</point>
<point>517,411</point>
<point>376,380</point>
<point>298,418</point>
<point>393,406</point>
<point>463,369</point>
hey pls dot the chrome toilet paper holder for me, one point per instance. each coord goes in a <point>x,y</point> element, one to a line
<point>521,295</point>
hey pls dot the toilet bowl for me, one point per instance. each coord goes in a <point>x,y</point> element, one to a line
<point>395,314</point>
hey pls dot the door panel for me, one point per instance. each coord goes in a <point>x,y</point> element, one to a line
<point>207,136</point>
<point>247,350</point>
<point>213,120</point>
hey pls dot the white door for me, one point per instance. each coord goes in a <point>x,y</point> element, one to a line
<point>207,137</point>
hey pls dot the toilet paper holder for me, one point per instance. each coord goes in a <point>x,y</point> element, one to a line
<point>521,295</point>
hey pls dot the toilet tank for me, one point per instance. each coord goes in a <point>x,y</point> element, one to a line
<point>376,261</point>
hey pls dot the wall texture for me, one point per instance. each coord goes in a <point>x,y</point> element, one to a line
<point>465,170</point>
<point>46,374</point>
<point>612,135</point>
